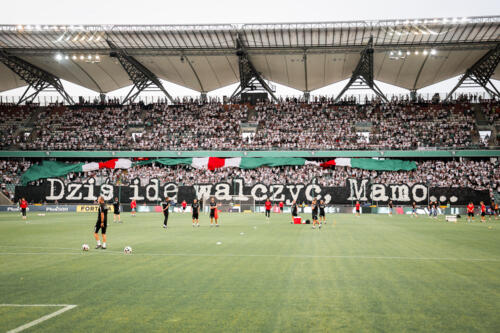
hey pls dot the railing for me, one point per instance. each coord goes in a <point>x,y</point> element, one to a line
<point>45,100</point>
<point>439,152</point>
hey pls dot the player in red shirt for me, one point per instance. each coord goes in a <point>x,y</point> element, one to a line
<point>281,206</point>
<point>23,205</point>
<point>470,212</point>
<point>483,212</point>
<point>268,208</point>
<point>184,205</point>
<point>133,206</point>
<point>358,209</point>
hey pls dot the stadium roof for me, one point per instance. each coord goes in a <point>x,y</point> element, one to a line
<point>410,54</point>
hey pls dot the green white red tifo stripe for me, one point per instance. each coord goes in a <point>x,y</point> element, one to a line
<point>58,169</point>
<point>118,163</point>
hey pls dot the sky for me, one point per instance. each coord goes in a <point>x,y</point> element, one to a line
<point>230,11</point>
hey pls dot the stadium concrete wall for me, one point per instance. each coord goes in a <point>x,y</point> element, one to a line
<point>430,153</point>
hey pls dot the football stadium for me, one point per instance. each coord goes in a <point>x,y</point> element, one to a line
<point>369,207</point>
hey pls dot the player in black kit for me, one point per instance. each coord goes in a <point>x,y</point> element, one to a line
<point>295,210</point>
<point>314,208</point>
<point>213,213</point>
<point>391,206</point>
<point>116,211</point>
<point>165,206</point>
<point>195,210</point>
<point>101,224</point>
<point>322,217</point>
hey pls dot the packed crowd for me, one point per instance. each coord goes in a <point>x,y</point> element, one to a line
<point>290,124</point>
<point>191,126</point>
<point>83,129</point>
<point>392,126</point>
<point>479,175</point>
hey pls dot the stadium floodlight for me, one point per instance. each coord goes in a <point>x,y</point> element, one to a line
<point>400,53</point>
<point>416,52</point>
<point>408,52</point>
<point>433,52</point>
<point>89,57</point>
<point>66,57</point>
<point>90,38</point>
<point>19,27</point>
<point>97,57</point>
<point>98,38</point>
<point>82,39</point>
<point>73,57</point>
<point>391,53</point>
<point>75,39</point>
<point>82,57</point>
<point>426,52</point>
<point>58,57</point>
<point>67,38</point>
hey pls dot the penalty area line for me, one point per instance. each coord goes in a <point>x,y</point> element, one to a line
<point>65,307</point>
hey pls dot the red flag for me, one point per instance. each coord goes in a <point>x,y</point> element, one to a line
<point>328,164</point>
<point>215,163</point>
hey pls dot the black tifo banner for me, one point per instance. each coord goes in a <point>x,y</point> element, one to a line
<point>52,189</point>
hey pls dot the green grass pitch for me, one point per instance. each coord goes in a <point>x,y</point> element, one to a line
<point>369,274</point>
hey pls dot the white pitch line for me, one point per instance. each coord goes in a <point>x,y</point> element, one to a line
<point>109,252</point>
<point>66,307</point>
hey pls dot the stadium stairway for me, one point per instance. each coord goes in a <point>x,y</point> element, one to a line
<point>4,200</point>
<point>481,120</point>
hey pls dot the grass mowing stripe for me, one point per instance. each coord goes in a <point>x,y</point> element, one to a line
<point>104,252</point>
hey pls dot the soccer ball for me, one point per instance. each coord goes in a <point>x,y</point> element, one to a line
<point>85,247</point>
<point>127,250</point>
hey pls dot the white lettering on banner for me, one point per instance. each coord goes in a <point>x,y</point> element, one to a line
<point>154,185</point>
<point>379,193</point>
<point>277,192</point>
<point>414,192</point>
<point>238,190</point>
<point>309,192</point>
<point>135,186</point>
<point>73,189</point>
<point>170,190</point>
<point>53,195</point>
<point>294,192</point>
<point>400,193</point>
<point>202,191</point>
<point>259,188</point>
<point>107,192</point>
<point>222,191</point>
<point>90,185</point>
<point>357,192</point>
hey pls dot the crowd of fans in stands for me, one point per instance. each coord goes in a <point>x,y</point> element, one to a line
<point>215,126</point>
<point>479,175</point>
